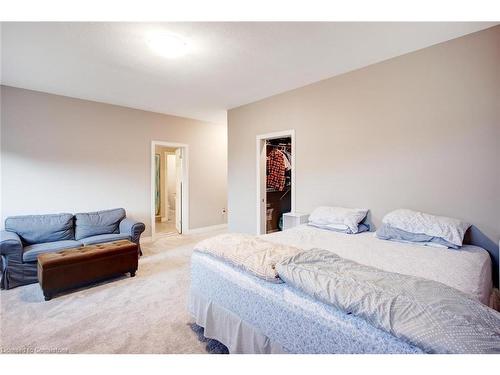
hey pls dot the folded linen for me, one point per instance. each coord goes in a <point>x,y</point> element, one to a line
<point>251,253</point>
<point>341,227</point>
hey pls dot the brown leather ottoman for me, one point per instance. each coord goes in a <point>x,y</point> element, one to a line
<point>77,267</point>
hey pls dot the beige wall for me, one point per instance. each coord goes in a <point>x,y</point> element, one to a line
<point>420,131</point>
<point>64,154</point>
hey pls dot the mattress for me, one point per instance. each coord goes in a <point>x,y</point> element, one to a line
<point>290,319</point>
<point>467,269</point>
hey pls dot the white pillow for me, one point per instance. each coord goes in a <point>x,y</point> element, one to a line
<point>449,229</point>
<point>349,217</point>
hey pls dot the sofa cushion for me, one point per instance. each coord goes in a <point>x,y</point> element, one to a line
<point>35,229</point>
<point>100,222</point>
<point>104,238</point>
<point>30,253</point>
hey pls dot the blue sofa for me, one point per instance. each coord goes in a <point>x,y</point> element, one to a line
<point>26,237</point>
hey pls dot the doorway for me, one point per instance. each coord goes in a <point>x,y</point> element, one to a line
<point>275,179</point>
<point>168,188</point>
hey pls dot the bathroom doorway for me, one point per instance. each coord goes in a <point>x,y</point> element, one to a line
<point>168,188</point>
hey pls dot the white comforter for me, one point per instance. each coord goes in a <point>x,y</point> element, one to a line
<point>467,269</point>
<point>251,253</point>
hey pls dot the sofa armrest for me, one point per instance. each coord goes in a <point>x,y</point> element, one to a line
<point>133,228</point>
<point>10,244</point>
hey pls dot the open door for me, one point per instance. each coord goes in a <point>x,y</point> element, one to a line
<point>178,190</point>
<point>174,185</point>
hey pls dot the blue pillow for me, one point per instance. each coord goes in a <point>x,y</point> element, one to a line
<point>101,222</point>
<point>387,232</point>
<point>35,229</point>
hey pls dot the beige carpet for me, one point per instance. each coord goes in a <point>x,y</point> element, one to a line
<point>144,314</point>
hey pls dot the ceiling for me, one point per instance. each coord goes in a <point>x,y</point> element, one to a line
<point>228,64</point>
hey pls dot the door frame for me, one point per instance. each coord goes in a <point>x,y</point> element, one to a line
<point>184,185</point>
<point>261,174</point>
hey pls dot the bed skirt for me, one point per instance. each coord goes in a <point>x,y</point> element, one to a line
<point>224,326</point>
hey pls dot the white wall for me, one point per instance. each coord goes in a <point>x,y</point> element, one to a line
<point>420,131</point>
<point>60,154</point>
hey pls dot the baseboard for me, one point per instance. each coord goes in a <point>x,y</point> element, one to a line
<point>210,228</point>
<point>207,229</point>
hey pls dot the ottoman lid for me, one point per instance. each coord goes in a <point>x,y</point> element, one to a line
<point>85,254</point>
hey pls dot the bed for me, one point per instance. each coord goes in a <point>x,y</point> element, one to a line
<point>251,315</point>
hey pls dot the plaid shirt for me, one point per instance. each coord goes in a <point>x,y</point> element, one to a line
<point>276,170</point>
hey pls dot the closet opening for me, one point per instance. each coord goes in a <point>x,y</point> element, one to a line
<point>275,180</point>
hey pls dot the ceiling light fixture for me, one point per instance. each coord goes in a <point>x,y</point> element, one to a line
<point>168,45</point>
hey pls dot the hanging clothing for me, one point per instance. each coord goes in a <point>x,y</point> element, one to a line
<point>287,159</point>
<point>276,168</point>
